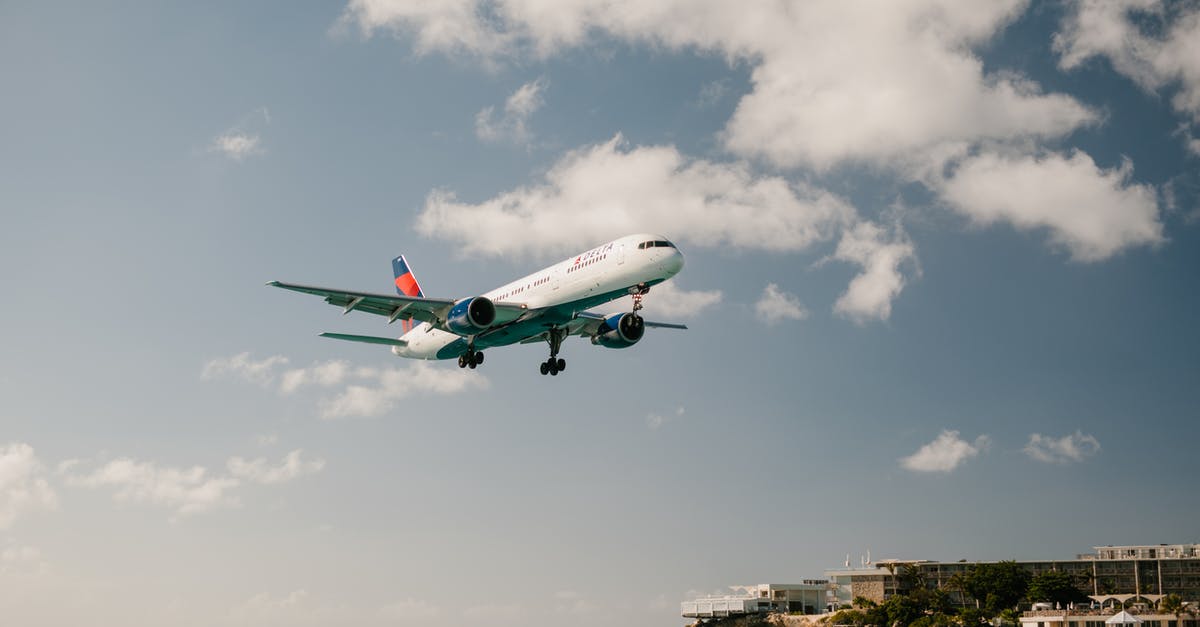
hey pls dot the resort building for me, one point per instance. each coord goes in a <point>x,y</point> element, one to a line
<point>1114,574</point>
<point>1136,577</point>
<point>807,597</point>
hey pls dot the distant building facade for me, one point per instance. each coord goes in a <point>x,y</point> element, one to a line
<point>1113,576</point>
<point>807,597</point>
<point>1116,573</point>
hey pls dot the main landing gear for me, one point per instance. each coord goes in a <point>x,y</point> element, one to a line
<point>471,358</point>
<point>554,364</point>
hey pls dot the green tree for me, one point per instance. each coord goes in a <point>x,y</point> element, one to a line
<point>1001,585</point>
<point>1054,586</point>
<point>958,583</point>
<point>903,609</point>
<point>1173,604</point>
<point>972,616</point>
<point>911,577</point>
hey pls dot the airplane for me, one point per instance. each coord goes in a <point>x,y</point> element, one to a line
<point>548,305</point>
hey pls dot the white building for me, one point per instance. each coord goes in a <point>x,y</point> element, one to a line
<point>807,597</point>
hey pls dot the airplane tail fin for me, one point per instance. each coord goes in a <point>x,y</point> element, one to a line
<point>406,282</point>
<point>406,285</point>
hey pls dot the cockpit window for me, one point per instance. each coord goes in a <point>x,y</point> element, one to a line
<point>661,243</point>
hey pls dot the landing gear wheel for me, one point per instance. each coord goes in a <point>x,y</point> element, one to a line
<point>479,358</point>
<point>554,365</point>
<point>462,361</point>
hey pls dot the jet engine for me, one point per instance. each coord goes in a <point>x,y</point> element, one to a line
<point>620,331</point>
<point>471,315</point>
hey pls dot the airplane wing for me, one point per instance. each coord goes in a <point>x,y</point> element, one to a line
<point>395,307</point>
<point>587,323</point>
<point>592,321</point>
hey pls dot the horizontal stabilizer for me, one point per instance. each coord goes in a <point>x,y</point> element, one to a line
<point>369,339</point>
<point>665,325</point>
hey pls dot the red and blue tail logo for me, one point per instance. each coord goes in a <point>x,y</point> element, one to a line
<point>406,285</point>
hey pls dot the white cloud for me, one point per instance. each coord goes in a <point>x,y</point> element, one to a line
<point>410,611</point>
<point>392,384</point>
<point>367,391</point>
<point>669,301</point>
<point>23,488</point>
<point>325,374</point>
<point>832,81</point>
<point>260,471</point>
<point>1170,56</point>
<point>572,602</point>
<point>241,141</point>
<point>242,366</point>
<point>944,453</point>
<point>1073,447</point>
<point>896,84</point>
<point>191,490</point>
<point>513,125</point>
<point>880,254</point>
<point>21,560</point>
<point>655,420</point>
<point>604,191</point>
<point>1093,213</point>
<point>776,305</point>
<point>237,145</point>
<point>185,490</point>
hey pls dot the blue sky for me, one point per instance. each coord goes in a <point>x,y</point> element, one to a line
<point>940,284</point>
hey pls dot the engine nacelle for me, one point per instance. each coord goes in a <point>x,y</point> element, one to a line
<point>620,331</point>
<point>471,315</point>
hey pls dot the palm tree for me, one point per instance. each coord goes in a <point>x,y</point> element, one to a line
<point>1173,604</point>
<point>891,568</point>
<point>958,583</point>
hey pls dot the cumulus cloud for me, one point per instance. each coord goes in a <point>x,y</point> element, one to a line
<point>1166,54</point>
<point>572,602</point>
<point>261,471</point>
<point>1073,447</point>
<point>23,488</point>
<point>1093,213</point>
<point>879,253</point>
<point>324,374</point>
<point>241,141</point>
<point>655,420</point>
<point>366,391</point>
<point>512,125</point>
<point>21,560</point>
<point>776,305</point>
<point>606,190</point>
<point>190,490</point>
<point>414,611</point>
<point>389,385</point>
<point>244,367</point>
<point>832,81</point>
<point>185,490</point>
<point>237,145</point>
<point>945,453</point>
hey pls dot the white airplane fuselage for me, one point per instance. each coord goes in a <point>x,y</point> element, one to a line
<point>559,292</point>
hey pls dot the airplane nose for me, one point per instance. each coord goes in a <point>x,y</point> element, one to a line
<point>673,263</point>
